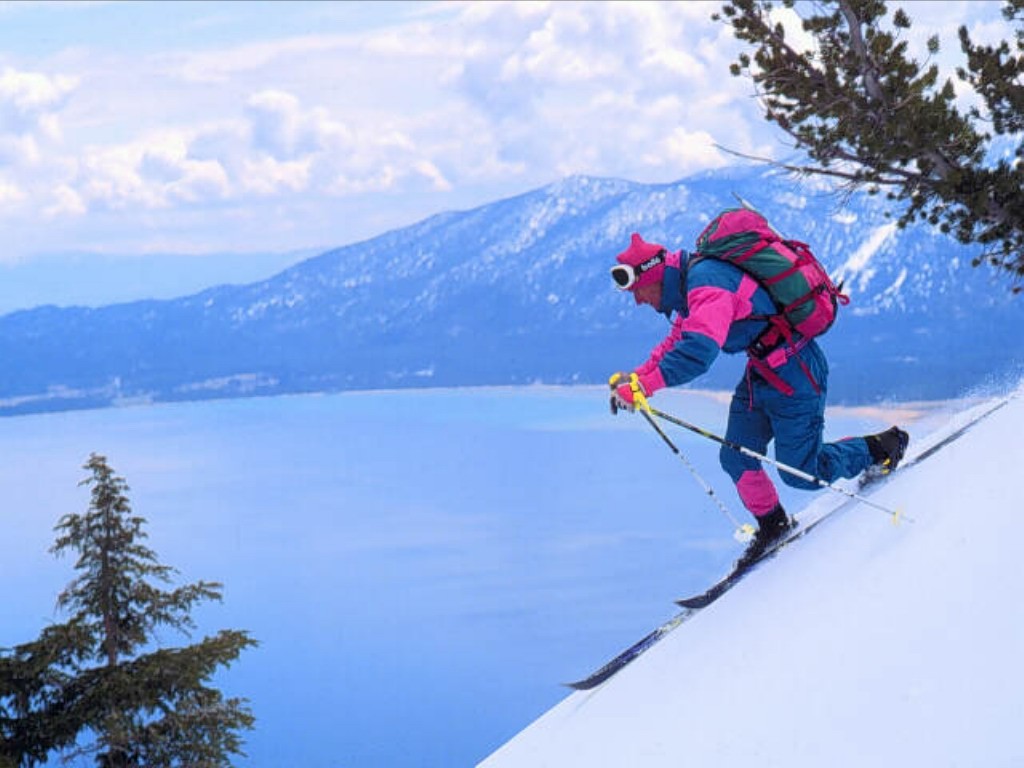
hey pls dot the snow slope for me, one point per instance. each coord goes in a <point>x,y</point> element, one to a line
<point>863,644</point>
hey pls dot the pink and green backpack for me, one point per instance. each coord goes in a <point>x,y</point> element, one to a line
<point>804,295</point>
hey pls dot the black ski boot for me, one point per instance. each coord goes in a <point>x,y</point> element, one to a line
<point>887,449</point>
<point>770,528</point>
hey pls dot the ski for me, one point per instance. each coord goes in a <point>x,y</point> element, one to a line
<point>735,576</point>
<point>691,606</point>
<point>613,666</point>
<point>868,480</point>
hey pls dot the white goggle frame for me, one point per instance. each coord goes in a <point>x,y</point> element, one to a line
<point>626,275</point>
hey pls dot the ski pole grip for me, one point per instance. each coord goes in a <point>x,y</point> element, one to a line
<point>639,398</point>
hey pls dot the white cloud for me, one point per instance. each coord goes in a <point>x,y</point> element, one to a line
<point>29,99</point>
<point>165,165</point>
<point>685,149</point>
<point>502,92</point>
<point>19,149</point>
<point>224,65</point>
<point>602,88</point>
<point>10,193</point>
<point>796,36</point>
<point>30,103</point>
<point>284,130</point>
<point>456,106</point>
<point>154,172</point>
<point>66,202</point>
<point>265,175</point>
<point>430,171</point>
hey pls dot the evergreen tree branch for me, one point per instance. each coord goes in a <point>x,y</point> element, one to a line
<point>868,114</point>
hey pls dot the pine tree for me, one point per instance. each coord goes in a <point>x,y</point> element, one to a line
<point>34,720</point>
<point>867,113</point>
<point>97,684</point>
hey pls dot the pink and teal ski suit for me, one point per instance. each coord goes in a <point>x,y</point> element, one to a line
<point>719,312</point>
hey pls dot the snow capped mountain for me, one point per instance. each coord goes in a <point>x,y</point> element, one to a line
<point>862,644</point>
<point>516,292</point>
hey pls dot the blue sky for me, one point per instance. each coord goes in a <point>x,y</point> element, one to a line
<point>135,128</point>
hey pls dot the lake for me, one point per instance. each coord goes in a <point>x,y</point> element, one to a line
<point>422,569</point>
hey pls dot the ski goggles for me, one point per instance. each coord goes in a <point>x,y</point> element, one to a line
<point>627,275</point>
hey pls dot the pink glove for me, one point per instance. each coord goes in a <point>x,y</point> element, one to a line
<point>623,397</point>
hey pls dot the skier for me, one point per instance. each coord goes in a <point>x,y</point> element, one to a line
<point>719,307</point>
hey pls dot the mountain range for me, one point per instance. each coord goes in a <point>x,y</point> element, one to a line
<point>518,292</point>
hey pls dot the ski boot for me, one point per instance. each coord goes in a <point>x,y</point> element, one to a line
<point>770,528</point>
<point>887,449</point>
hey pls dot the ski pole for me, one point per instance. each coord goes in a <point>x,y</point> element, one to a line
<point>744,531</point>
<point>896,514</point>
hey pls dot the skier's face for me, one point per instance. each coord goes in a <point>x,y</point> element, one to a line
<point>648,294</point>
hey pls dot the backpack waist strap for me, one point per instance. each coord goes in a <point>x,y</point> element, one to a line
<point>764,359</point>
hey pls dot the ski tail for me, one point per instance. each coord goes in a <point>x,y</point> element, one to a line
<point>628,655</point>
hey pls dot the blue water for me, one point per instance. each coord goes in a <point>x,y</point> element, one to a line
<point>421,568</point>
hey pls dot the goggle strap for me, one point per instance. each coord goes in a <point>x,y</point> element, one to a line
<point>633,273</point>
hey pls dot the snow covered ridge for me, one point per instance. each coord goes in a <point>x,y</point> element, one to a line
<point>517,292</point>
<point>863,644</point>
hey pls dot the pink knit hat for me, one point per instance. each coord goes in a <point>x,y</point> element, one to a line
<point>641,264</point>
